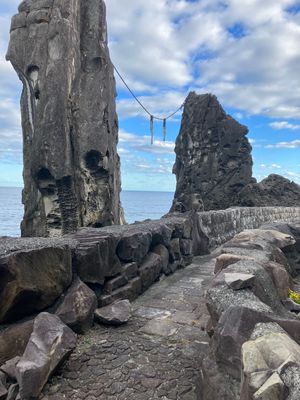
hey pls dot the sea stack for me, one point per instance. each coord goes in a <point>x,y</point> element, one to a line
<point>70,127</point>
<point>213,163</point>
<point>213,157</point>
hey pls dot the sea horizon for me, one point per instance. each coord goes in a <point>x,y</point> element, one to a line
<point>138,205</point>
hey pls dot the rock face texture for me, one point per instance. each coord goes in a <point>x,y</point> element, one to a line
<point>214,165</point>
<point>274,191</point>
<point>33,274</point>
<point>256,340</point>
<point>213,156</point>
<point>70,127</point>
<point>50,343</point>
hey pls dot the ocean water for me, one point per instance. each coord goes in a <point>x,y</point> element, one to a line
<point>137,206</point>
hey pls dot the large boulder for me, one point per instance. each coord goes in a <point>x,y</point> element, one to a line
<point>150,270</point>
<point>235,328</point>
<point>95,257</point>
<point>14,339</point>
<point>33,274</point>
<point>262,284</point>
<point>77,307</point>
<point>265,359</point>
<point>271,237</point>
<point>50,344</point>
<point>134,246</point>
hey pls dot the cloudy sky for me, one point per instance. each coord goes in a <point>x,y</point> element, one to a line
<point>246,52</point>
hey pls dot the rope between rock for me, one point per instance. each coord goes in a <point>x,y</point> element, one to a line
<point>152,117</point>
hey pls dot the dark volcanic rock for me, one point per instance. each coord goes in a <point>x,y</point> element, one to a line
<point>95,256</point>
<point>162,251</point>
<point>213,156</point>
<point>274,191</point>
<point>150,269</point>
<point>70,127</point>
<point>50,343</point>
<point>117,313</point>
<point>130,291</point>
<point>78,306</point>
<point>33,274</point>
<point>14,339</point>
<point>214,165</point>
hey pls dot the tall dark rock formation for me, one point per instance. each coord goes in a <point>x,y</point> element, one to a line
<point>214,165</point>
<point>70,127</point>
<point>213,156</point>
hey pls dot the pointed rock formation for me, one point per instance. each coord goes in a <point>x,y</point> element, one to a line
<point>70,127</point>
<point>214,165</point>
<point>213,156</point>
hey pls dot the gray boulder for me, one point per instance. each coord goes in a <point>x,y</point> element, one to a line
<point>150,270</point>
<point>162,251</point>
<point>34,273</point>
<point>134,246</point>
<point>117,313</point>
<point>14,339</point>
<point>260,360</point>
<point>77,307</point>
<point>95,256</point>
<point>238,281</point>
<point>262,285</point>
<point>50,344</point>
<point>235,328</point>
<point>10,368</point>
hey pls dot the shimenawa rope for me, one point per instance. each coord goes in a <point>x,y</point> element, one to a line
<point>152,117</point>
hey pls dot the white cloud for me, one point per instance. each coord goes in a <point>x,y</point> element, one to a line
<point>161,43</point>
<point>279,125</point>
<point>143,144</point>
<point>284,145</point>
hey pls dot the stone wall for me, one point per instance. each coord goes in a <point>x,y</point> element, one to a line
<point>116,261</point>
<point>213,228</point>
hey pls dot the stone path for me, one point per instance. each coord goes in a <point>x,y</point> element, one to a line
<point>157,355</point>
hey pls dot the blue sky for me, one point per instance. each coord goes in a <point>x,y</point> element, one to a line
<point>246,52</point>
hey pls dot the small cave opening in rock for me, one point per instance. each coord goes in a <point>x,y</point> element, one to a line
<point>92,160</point>
<point>95,163</point>
<point>46,182</point>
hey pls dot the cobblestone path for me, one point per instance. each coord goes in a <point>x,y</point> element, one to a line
<point>157,355</point>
